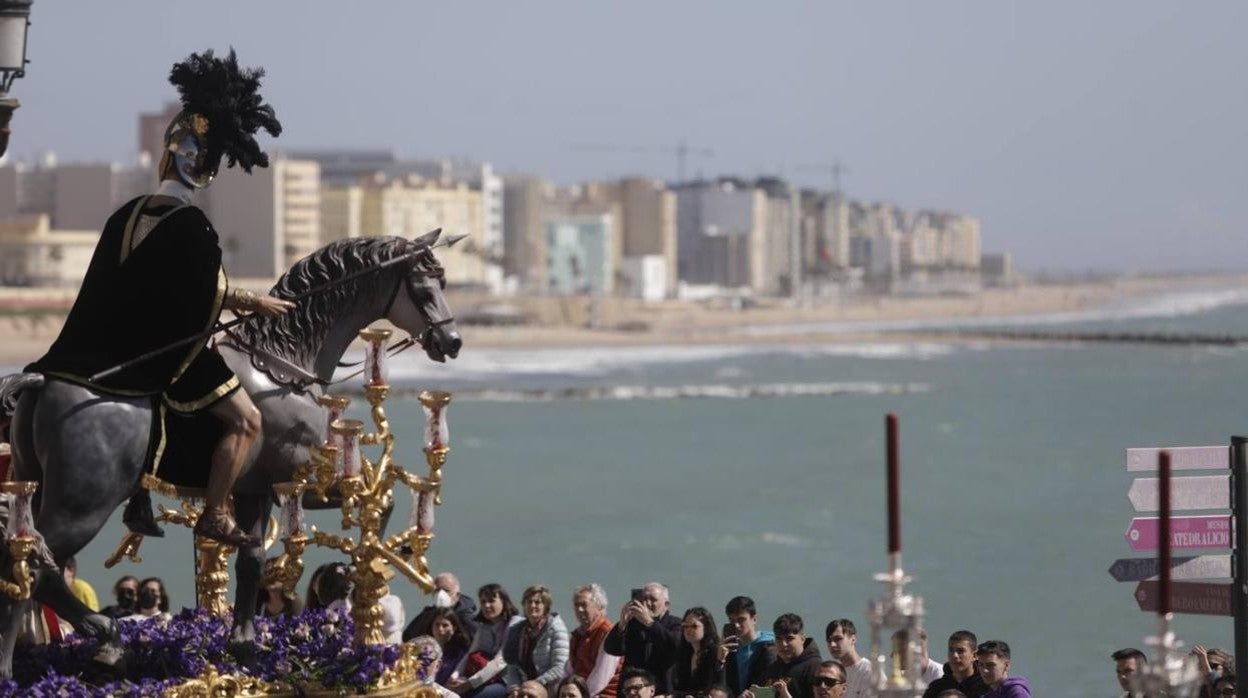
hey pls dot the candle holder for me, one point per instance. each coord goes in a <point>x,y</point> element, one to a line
<point>375,369</point>
<point>437,434</point>
<point>335,406</point>
<point>21,539</point>
<point>287,568</point>
<point>896,625</point>
<point>367,486</point>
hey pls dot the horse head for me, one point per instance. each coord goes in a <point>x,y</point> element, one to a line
<point>419,307</point>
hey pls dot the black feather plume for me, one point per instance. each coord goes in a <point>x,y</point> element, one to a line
<point>228,96</point>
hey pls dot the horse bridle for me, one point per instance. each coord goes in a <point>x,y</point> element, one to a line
<point>437,272</point>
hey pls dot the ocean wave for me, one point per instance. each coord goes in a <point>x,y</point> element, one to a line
<point>679,392</point>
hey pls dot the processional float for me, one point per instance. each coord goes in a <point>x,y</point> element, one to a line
<point>366,487</point>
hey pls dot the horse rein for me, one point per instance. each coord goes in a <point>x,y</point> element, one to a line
<point>300,378</point>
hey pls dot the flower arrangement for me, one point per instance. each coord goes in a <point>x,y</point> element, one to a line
<point>309,652</point>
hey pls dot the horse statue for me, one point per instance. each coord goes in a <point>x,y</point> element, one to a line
<point>88,451</point>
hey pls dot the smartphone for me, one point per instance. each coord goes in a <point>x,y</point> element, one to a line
<point>639,594</point>
<point>730,630</point>
<point>763,692</point>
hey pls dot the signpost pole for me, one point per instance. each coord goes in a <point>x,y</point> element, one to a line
<point>1239,555</point>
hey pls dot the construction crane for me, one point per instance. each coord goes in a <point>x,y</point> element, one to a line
<point>682,151</point>
<point>836,169</point>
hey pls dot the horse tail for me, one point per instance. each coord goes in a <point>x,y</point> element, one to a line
<point>11,386</point>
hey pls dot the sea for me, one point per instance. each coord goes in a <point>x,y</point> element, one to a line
<point>760,470</point>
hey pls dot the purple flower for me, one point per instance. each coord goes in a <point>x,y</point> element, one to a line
<point>313,649</point>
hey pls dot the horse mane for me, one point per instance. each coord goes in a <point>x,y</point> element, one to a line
<point>297,335</point>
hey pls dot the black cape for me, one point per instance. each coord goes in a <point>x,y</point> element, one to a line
<point>169,287</point>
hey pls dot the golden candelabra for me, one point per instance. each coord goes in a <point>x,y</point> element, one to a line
<point>22,541</point>
<point>365,487</point>
<point>212,574</point>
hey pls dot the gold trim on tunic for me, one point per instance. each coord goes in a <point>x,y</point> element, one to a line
<point>155,484</point>
<point>216,394</point>
<point>129,229</point>
<point>160,445</point>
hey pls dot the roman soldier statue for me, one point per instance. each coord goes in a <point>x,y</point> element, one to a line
<point>156,277</point>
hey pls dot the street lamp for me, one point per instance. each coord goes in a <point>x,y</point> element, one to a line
<point>14,20</point>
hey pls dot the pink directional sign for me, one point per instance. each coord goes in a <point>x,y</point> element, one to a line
<point>1185,532</point>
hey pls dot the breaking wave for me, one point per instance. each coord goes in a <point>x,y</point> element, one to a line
<point>1169,305</point>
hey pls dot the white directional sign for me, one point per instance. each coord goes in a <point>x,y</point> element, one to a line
<point>1181,458</point>
<point>1138,569</point>
<point>1186,493</point>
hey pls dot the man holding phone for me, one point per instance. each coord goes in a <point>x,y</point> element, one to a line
<point>745,651</point>
<point>646,635</point>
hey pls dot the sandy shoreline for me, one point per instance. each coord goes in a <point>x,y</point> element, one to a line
<point>560,322</point>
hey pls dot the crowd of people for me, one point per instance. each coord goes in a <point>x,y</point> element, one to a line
<point>490,647</point>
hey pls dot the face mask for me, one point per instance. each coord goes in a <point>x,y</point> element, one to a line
<point>441,599</point>
<point>148,598</point>
<point>125,598</point>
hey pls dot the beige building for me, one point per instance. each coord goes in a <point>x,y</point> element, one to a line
<point>33,254</point>
<point>266,220</point>
<point>524,230</point>
<point>340,212</point>
<point>959,241</point>
<point>74,197</point>
<point>645,216</point>
<point>410,207</point>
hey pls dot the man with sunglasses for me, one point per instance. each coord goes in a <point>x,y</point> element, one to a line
<point>829,680</point>
<point>636,683</point>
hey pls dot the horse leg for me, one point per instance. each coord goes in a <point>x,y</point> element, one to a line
<point>251,511</point>
<point>10,625</point>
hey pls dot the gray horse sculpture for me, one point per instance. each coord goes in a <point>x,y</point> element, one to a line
<point>88,449</point>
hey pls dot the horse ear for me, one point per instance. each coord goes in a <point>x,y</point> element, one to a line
<point>428,238</point>
<point>452,239</point>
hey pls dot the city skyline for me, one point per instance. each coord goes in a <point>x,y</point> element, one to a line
<point>1119,151</point>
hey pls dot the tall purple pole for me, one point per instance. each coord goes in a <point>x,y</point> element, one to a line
<point>894,491</point>
<point>1163,547</point>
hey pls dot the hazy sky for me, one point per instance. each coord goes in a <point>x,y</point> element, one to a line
<point>1110,135</point>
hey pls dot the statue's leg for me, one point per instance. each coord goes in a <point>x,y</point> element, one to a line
<point>252,514</point>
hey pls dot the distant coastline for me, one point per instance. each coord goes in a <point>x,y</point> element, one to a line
<point>561,321</point>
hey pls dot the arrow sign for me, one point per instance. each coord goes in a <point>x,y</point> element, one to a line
<point>1137,569</point>
<point>1186,532</point>
<point>1204,492</point>
<point>1181,458</point>
<point>1187,597</point>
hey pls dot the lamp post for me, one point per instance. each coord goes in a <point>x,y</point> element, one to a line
<point>14,21</point>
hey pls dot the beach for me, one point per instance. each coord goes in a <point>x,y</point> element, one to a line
<point>35,315</point>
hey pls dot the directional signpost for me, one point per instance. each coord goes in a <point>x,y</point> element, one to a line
<point>1186,532</point>
<point>1212,493</point>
